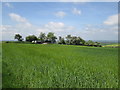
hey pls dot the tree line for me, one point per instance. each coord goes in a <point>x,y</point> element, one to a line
<point>51,38</point>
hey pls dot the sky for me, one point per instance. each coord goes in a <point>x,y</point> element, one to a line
<point>89,20</point>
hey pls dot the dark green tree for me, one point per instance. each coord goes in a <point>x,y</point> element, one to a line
<point>61,40</point>
<point>97,44</point>
<point>18,37</point>
<point>68,41</point>
<point>90,43</point>
<point>73,40</point>
<point>82,41</point>
<point>51,37</point>
<point>31,38</point>
<point>42,37</point>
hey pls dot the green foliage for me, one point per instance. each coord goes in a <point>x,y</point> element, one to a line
<point>51,37</point>
<point>18,37</point>
<point>73,40</point>
<point>61,40</point>
<point>42,37</point>
<point>31,38</point>
<point>58,66</point>
<point>68,41</point>
<point>91,43</point>
<point>97,44</point>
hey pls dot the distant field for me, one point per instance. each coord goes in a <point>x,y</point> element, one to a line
<point>59,66</point>
<point>112,45</point>
<point>107,43</point>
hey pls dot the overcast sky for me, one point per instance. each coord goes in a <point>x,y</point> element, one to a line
<point>89,20</point>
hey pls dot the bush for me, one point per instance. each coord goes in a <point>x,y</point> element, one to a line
<point>7,42</point>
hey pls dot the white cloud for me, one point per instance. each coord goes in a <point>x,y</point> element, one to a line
<point>76,11</point>
<point>60,29</point>
<point>5,27</point>
<point>60,14</point>
<point>22,26</point>
<point>112,20</point>
<point>19,19</point>
<point>7,32</point>
<point>57,27</point>
<point>9,5</point>
<point>106,31</point>
<point>103,33</point>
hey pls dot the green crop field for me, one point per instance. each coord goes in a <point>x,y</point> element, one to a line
<point>58,66</point>
<point>113,45</point>
<point>0,65</point>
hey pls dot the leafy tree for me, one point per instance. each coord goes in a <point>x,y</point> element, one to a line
<point>97,44</point>
<point>82,42</point>
<point>18,37</point>
<point>61,40</point>
<point>51,37</point>
<point>73,40</point>
<point>90,43</point>
<point>31,38</point>
<point>42,37</point>
<point>68,41</point>
<point>86,43</point>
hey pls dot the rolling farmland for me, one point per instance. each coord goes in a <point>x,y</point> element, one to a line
<point>59,66</point>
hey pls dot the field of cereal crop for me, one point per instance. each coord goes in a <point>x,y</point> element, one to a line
<point>59,66</point>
